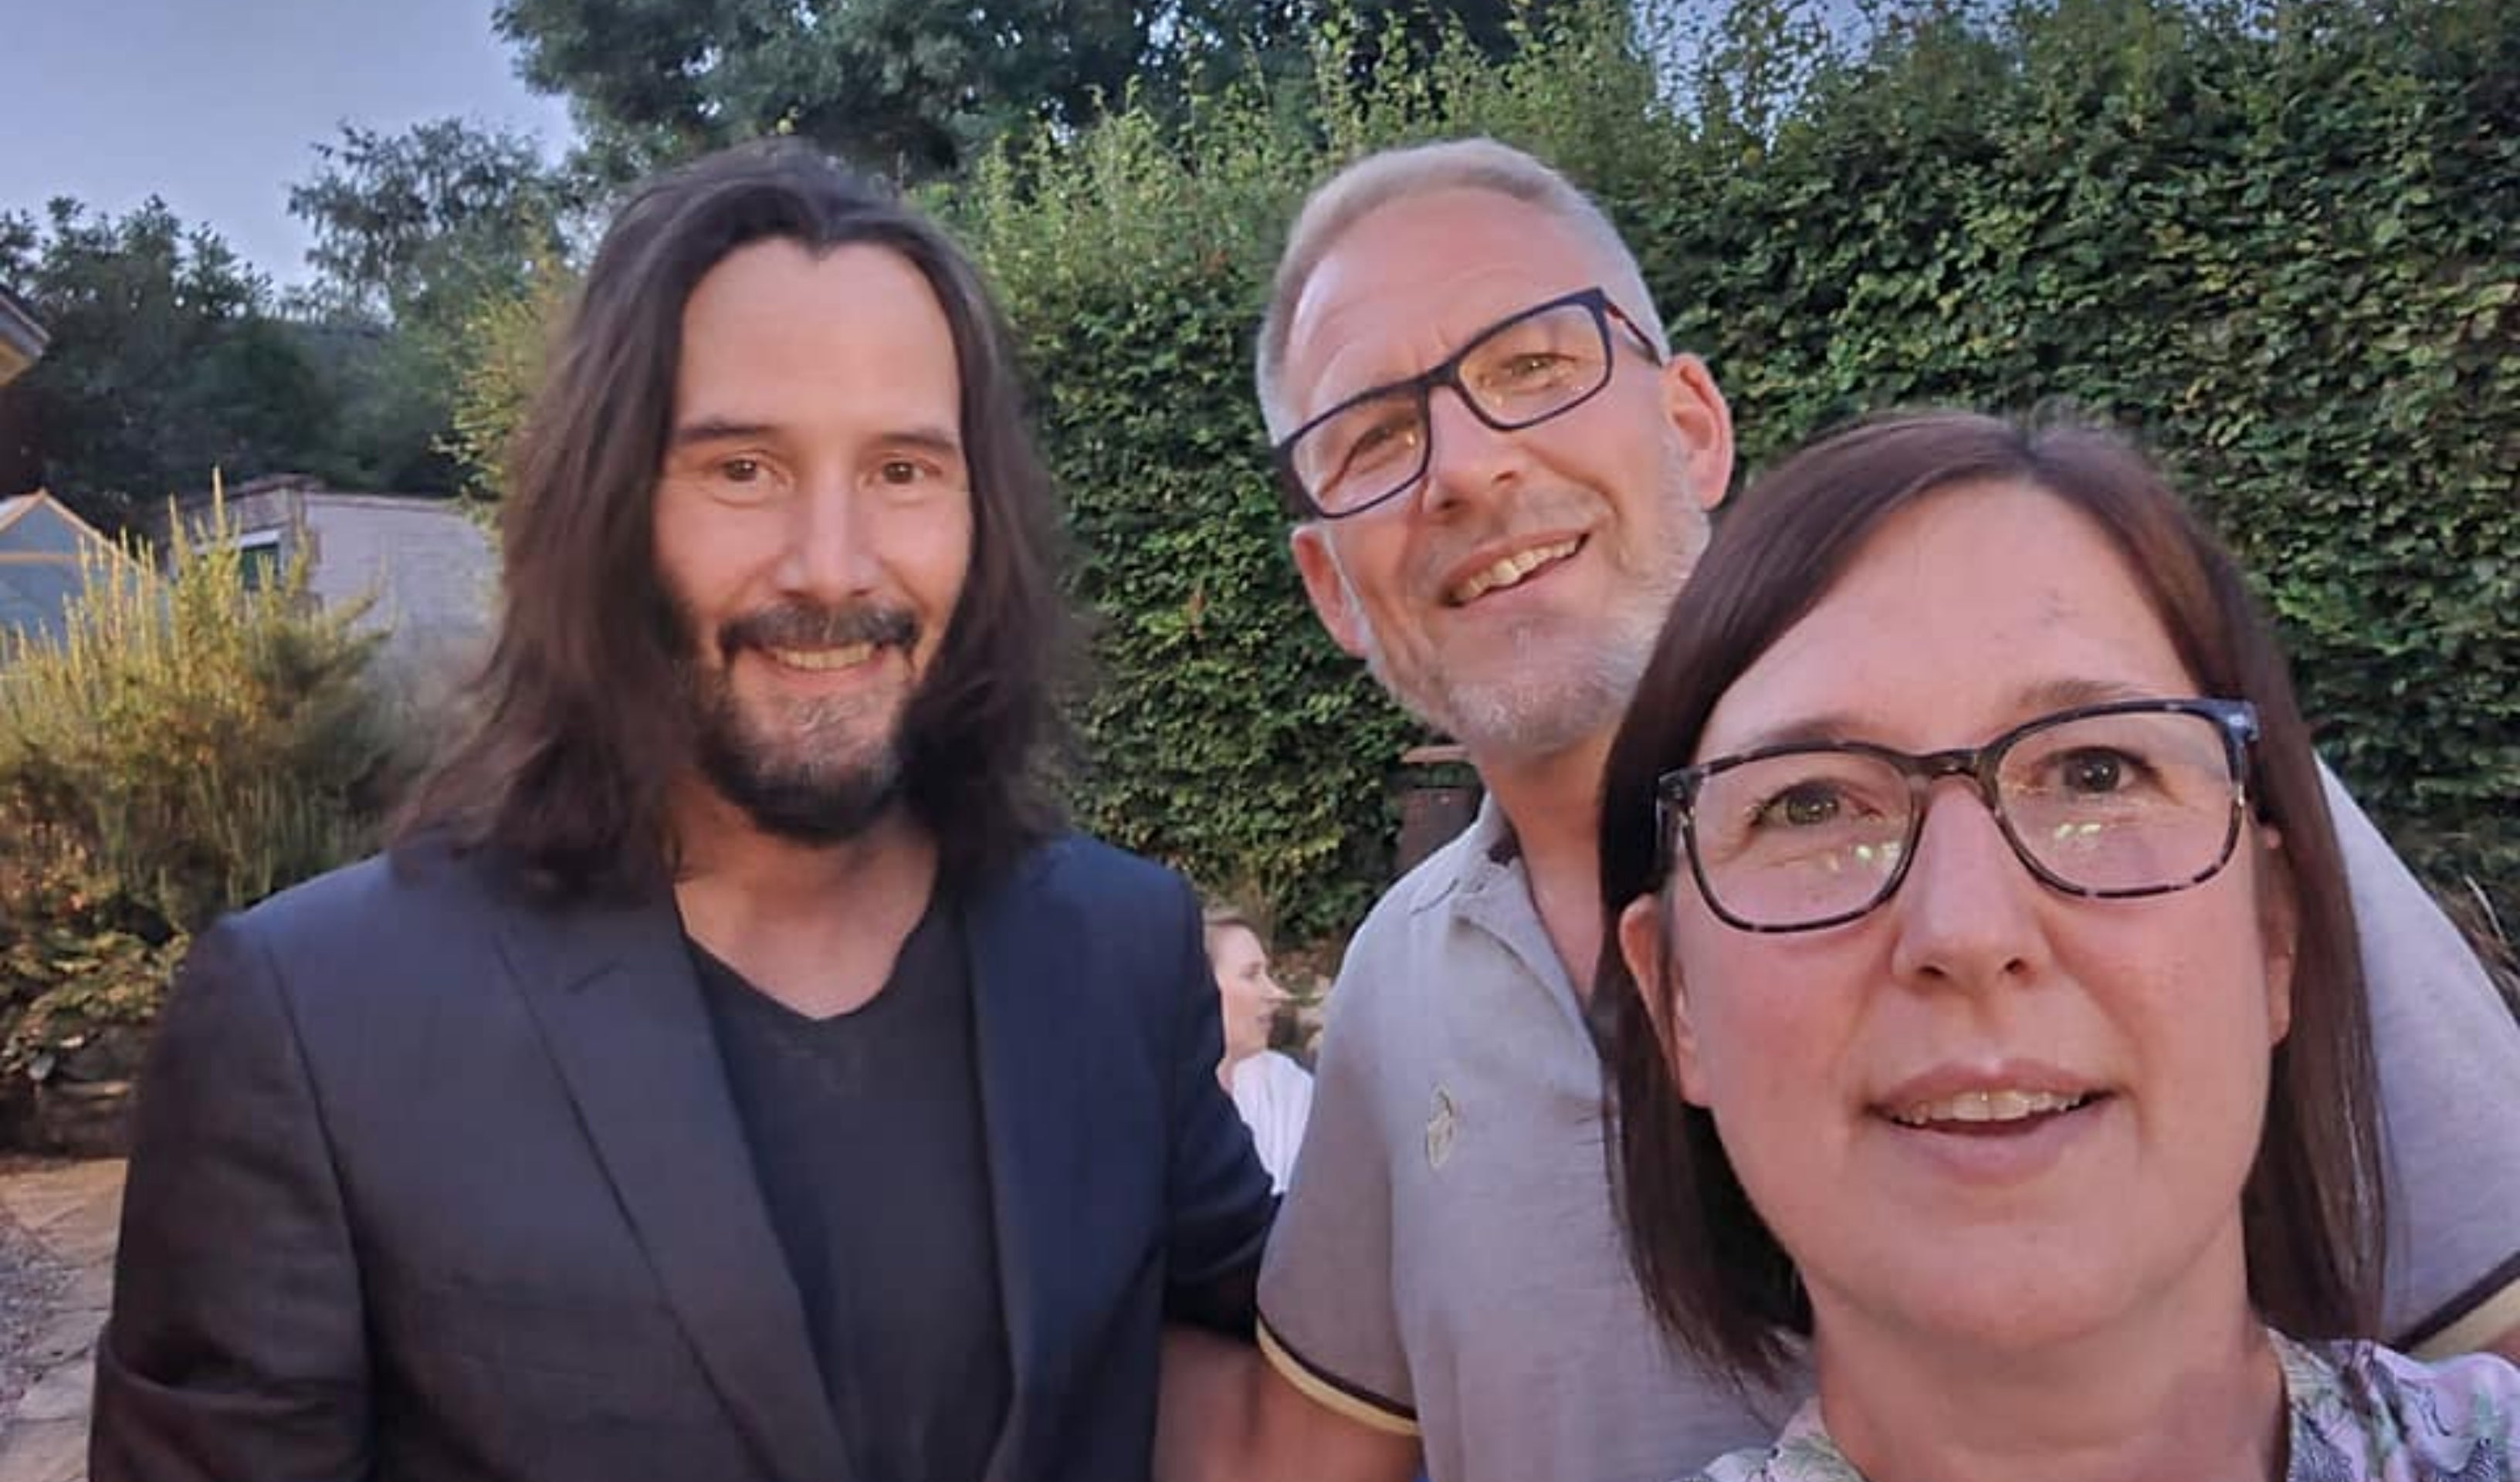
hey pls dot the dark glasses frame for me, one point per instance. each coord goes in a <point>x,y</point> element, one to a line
<point>1675,797</point>
<point>1446,372</point>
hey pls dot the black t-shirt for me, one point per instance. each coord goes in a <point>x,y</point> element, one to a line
<point>866,1134</point>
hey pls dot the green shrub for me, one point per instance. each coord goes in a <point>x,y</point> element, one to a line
<point>185,747</point>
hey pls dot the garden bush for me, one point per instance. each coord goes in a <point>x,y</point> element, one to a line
<point>186,746</point>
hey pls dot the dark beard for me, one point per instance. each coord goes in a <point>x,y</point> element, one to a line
<point>790,797</point>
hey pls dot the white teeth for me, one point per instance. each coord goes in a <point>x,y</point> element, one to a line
<point>842,657</point>
<point>1512,569</point>
<point>2001,1106</point>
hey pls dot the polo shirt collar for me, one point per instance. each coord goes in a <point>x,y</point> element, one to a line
<point>1483,880</point>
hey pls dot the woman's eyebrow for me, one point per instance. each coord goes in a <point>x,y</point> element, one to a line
<point>1799,731</point>
<point>2038,697</point>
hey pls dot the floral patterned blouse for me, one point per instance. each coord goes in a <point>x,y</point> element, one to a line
<point>2359,1414</point>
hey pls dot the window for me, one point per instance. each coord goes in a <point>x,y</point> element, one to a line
<point>258,559</point>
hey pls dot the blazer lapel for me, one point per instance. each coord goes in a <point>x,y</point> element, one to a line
<point>1032,1101</point>
<point>620,1010</point>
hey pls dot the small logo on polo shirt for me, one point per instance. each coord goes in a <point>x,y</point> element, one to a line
<point>1441,1125</point>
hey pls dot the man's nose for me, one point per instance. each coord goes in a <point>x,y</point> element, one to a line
<point>1465,458</point>
<point>829,557</point>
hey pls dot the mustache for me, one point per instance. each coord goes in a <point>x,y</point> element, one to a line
<point>803,625</point>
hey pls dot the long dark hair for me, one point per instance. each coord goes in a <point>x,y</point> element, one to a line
<point>582,723</point>
<point>2312,1207</point>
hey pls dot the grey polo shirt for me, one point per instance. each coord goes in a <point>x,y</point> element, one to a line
<point>1447,1260</point>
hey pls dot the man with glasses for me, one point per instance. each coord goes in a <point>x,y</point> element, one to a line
<point>1500,476</point>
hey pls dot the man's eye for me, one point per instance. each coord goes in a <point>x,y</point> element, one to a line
<point>900,470</point>
<point>1389,435</point>
<point>1533,365</point>
<point>739,470</point>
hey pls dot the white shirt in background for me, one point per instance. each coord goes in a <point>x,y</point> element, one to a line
<point>1274,1095</point>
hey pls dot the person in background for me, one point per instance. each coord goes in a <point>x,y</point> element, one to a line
<point>1984,1013</point>
<point>1273,1093</point>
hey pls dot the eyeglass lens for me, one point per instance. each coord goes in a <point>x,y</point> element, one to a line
<point>1521,372</point>
<point>2106,804</point>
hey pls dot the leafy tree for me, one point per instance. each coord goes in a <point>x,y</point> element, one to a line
<point>393,385</point>
<point>417,225</point>
<point>897,85</point>
<point>414,232</point>
<point>507,338</point>
<point>913,89</point>
<point>165,360</point>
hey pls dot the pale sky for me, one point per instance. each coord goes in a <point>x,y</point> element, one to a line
<point>215,104</point>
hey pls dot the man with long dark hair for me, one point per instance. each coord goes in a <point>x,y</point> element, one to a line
<point>734,1070</point>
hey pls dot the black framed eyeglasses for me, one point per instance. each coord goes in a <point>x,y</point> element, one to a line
<point>1527,367</point>
<point>2129,799</point>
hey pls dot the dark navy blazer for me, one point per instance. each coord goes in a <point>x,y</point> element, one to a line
<point>432,1182</point>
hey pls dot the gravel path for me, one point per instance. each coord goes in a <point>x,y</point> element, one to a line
<point>57,1223</point>
<point>31,1280</point>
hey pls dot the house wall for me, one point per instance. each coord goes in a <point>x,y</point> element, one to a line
<point>34,598</point>
<point>429,570</point>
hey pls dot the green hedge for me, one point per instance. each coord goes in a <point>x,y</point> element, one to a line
<point>2280,240</point>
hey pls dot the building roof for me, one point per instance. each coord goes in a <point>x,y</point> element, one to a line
<point>21,339</point>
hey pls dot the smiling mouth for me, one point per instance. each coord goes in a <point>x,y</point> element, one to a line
<point>1512,570</point>
<point>821,660</point>
<point>1983,1111</point>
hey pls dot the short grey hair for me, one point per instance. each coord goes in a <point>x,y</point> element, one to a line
<point>1394,175</point>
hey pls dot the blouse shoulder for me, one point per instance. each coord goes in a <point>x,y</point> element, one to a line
<point>2362,1413</point>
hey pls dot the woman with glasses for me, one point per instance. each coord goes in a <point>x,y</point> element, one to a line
<point>1986,1024</point>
